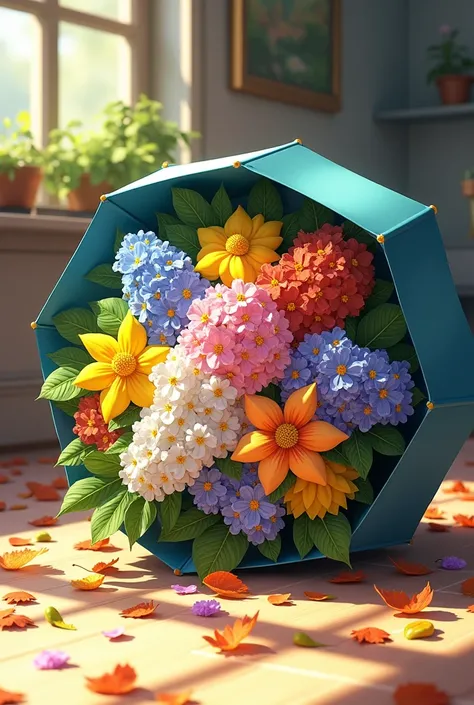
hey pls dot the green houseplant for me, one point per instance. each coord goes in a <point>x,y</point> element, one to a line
<point>20,164</point>
<point>131,142</point>
<point>451,61</point>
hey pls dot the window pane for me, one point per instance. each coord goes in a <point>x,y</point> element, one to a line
<point>17,60</point>
<point>94,69</point>
<point>113,9</point>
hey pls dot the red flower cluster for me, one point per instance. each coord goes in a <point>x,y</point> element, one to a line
<point>90,424</point>
<point>320,281</point>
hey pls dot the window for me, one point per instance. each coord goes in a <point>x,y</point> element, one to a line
<point>65,59</point>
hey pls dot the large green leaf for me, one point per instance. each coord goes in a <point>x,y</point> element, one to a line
<point>164,220</point>
<point>168,511</point>
<point>218,549</point>
<point>382,327</point>
<point>282,489</point>
<point>332,537</point>
<point>386,440</point>
<point>265,199</point>
<point>127,418</point>
<point>69,407</point>
<point>350,326</point>
<point>108,518</point>
<point>381,293</point>
<point>104,275</point>
<point>271,549</point>
<point>190,524</point>
<point>229,467</point>
<point>89,493</point>
<point>302,535</point>
<point>222,206</point>
<point>102,464</point>
<point>121,444</point>
<point>351,230</point>
<point>404,351</point>
<point>185,238</point>
<point>119,236</point>
<point>59,386</point>
<point>358,451</point>
<point>313,216</point>
<point>289,231</point>
<point>271,392</point>
<point>74,453</point>
<point>192,208</point>
<point>74,358</point>
<point>139,516</point>
<point>74,322</point>
<point>418,396</point>
<point>336,455</point>
<point>365,494</point>
<point>111,313</point>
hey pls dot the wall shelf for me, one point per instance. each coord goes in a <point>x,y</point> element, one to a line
<point>431,113</point>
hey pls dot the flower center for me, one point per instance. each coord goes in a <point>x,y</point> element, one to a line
<point>218,349</point>
<point>237,245</point>
<point>321,252</point>
<point>218,392</point>
<point>354,263</point>
<point>173,381</point>
<point>241,297</point>
<point>372,374</point>
<point>187,293</point>
<point>341,370</point>
<point>207,486</point>
<point>181,459</point>
<point>157,296</point>
<point>199,440</point>
<point>286,435</point>
<point>291,306</point>
<point>344,299</point>
<point>169,262</point>
<point>367,410</point>
<point>245,318</point>
<point>204,317</point>
<point>315,351</point>
<point>170,313</point>
<point>274,282</point>
<point>398,408</point>
<point>295,374</point>
<point>396,376</point>
<point>236,515</point>
<point>124,364</point>
<point>259,340</point>
<point>298,267</point>
<point>254,504</point>
<point>383,394</point>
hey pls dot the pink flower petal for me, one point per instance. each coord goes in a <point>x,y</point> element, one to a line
<point>185,589</point>
<point>114,633</point>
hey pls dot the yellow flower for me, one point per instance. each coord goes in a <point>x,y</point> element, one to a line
<point>122,367</point>
<point>315,500</point>
<point>238,250</point>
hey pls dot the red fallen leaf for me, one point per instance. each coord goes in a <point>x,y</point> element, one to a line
<point>9,698</point>
<point>25,495</point>
<point>410,568</point>
<point>464,520</point>
<point>4,479</point>
<point>401,602</point>
<point>19,460</point>
<point>174,698</point>
<point>18,507</point>
<point>17,541</point>
<point>3,506</point>
<point>101,566</point>
<point>440,528</point>
<point>349,577</point>
<point>9,618</point>
<point>97,546</point>
<point>16,471</point>
<point>60,483</point>
<point>370,635</point>
<point>15,598</point>
<point>467,587</point>
<point>232,636</point>
<point>434,513</point>
<point>47,460</point>
<point>456,488</point>
<point>420,694</point>
<point>44,521</point>
<point>143,609</point>
<point>318,596</point>
<point>120,681</point>
<point>279,599</point>
<point>470,608</point>
<point>226,584</point>
<point>43,493</point>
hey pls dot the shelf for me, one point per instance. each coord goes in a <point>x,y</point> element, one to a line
<point>437,112</point>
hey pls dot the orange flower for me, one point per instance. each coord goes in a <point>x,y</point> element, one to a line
<point>287,440</point>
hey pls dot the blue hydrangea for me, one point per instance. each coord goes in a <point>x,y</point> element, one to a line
<point>208,490</point>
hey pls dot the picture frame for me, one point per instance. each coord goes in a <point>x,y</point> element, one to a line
<point>281,64</point>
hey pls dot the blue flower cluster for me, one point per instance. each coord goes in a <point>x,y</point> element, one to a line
<point>357,387</point>
<point>242,503</point>
<point>159,283</point>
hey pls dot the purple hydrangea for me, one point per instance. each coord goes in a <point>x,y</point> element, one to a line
<point>384,399</point>
<point>51,659</point>
<point>452,563</point>
<point>297,374</point>
<point>206,608</point>
<point>344,369</point>
<point>253,507</point>
<point>208,491</point>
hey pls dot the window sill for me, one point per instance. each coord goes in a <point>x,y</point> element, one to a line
<point>43,233</point>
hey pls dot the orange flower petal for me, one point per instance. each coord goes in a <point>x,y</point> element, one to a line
<point>143,609</point>
<point>320,436</point>
<point>120,681</point>
<point>301,406</point>
<point>467,587</point>
<point>318,596</point>
<point>15,598</point>
<point>255,446</point>
<point>18,507</point>
<point>370,635</point>
<point>9,698</point>
<point>410,568</point>
<point>17,541</point>
<point>4,479</point>
<point>226,584</point>
<point>420,694</point>
<point>89,546</point>
<point>308,465</point>
<point>464,520</point>
<point>263,413</point>
<point>401,602</point>
<point>44,493</point>
<point>434,513</point>
<point>279,599</point>
<point>232,636</point>
<point>470,608</point>
<point>174,698</point>
<point>349,577</point>
<point>44,521</point>
<point>273,470</point>
<point>3,506</point>
<point>9,618</point>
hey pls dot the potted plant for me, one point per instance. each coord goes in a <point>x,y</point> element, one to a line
<point>467,184</point>
<point>131,142</point>
<point>451,61</point>
<point>20,164</point>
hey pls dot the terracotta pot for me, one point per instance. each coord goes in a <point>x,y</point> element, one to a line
<point>21,191</point>
<point>467,186</point>
<point>454,88</point>
<point>87,196</point>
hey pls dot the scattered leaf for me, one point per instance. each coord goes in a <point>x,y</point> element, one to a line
<point>279,599</point>
<point>89,546</point>
<point>25,495</point>
<point>410,568</point>
<point>401,602</point>
<point>16,471</point>
<point>100,567</point>
<point>4,479</point>
<point>467,587</point>
<point>319,596</point>
<point>232,636</point>
<point>43,493</point>
<point>174,698</point>
<point>348,576</point>
<point>43,537</point>
<point>420,629</point>
<point>434,513</point>
<point>15,598</point>
<point>420,694</point>
<point>9,698</point>
<point>464,520</point>
<point>456,488</point>
<point>17,541</point>
<point>18,507</point>
<point>470,608</point>
<point>114,633</point>
<point>302,639</point>
<point>47,460</point>
<point>60,483</point>
<point>9,618</point>
<point>467,497</point>
<point>226,584</point>
<point>17,559</point>
<point>143,609</point>
<point>370,635</point>
<point>120,681</point>
<point>44,521</point>
<point>90,582</point>
<point>3,506</point>
<point>52,616</point>
<point>440,528</point>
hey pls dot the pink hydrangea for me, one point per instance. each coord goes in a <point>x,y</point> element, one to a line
<point>239,333</point>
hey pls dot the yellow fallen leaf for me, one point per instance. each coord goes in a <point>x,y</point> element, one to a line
<point>91,582</point>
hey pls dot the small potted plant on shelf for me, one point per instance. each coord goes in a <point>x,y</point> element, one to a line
<point>451,61</point>
<point>20,164</point>
<point>132,141</point>
<point>467,184</point>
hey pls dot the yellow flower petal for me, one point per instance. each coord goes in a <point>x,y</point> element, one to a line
<point>270,243</point>
<point>257,222</point>
<point>255,446</point>
<point>320,436</point>
<point>273,470</point>
<point>263,413</point>
<point>301,406</point>
<point>239,223</point>
<point>102,347</point>
<point>96,376</point>
<point>211,236</point>
<point>263,254</point>
<point>240,268</point>
<point>272,228</point>
<point>115,399</point>
<point>308,465</point>
<point>140,389</point>
<point>150,357</point>
<point>131,335</point>
<point>325,496</point>
<point>209,250</point>
<point>224,273</point>
<point>209,265</point>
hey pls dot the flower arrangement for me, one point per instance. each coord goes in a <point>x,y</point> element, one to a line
<point>242,385</point>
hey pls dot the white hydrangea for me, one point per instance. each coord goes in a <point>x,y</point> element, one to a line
<point>194,418</point>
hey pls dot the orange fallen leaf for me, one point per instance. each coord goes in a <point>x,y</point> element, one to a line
<point>279,599</point>
<point>60,483</point>
<point>433,526</point>
<point>4,479</point>
<point>9,698</point>
<point>9,618</point>
<point>401,602</point>
<point>143,609</point>
<point>434,513</point>
<point>464,520</point>
<point>17,541</point>
<point>370,635</point>
<point>16,472</point>
<point>468,497</point>
<point>470,608</point>
<point>232,636</point>
<point>14,598</point>
<point>420,694</point>
<point>18,460</point>
<point>17,507</point>
<point>410,568</point>
<point>120,681</point>
<point>318,596</point>
<point>456,488</point>
<point>25,495</point>
<point>88,546</point>
<point>43,493</point>
<point>90,582</point>
<point>467,587</point>
<point>174,698</point>
<point>226,584</point>
<point>349,577</point>
<point>3,506</point>
<point>101,566</point>
<point>47,460</point>
<point>44,521</point>
<point>14,560</point>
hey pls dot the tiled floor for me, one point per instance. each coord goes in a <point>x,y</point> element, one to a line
<point>167,649</point>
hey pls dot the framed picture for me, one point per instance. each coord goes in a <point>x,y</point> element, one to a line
<point>288,50</point>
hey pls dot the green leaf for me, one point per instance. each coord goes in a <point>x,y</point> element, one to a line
<point>73,453</point>
<point>121,444</point>
<point>192,208</point>
<point>404,351</point>
<point>89,493</point>
<point>365,495</point>
<point>111,313</point>
<point>108,518</point>
<point>104,275</point>
<point>127,418</point>
<point>59,386</point>
<point>313,215</point>
<point>119,236</point>
<point>291,227</point>
<point>382,327</point>
<point>222,206</point>
<point>302,536</point>
<point>74,358</point>
<point>332,537</point>
<point>229,467</point>
<point>101,464</point>
<point>139,516</point>
<point>381,293</point>
<point>386,440</point>
<point>218,549</point>
<point>418,396</point>
<point>271,549</point>
<point>74,322</point>
<point>350,326</point>
<point>165,219</point>
<point>169,510</point>
<point>358,451</point>
<point>68,407</point>
<point>191,524</point>
<point>185,238</point>
<point>271,392</point>
<point>265,199</point>
<point>352,230</point>
<point>282,489</point>
<point>336,455</point>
